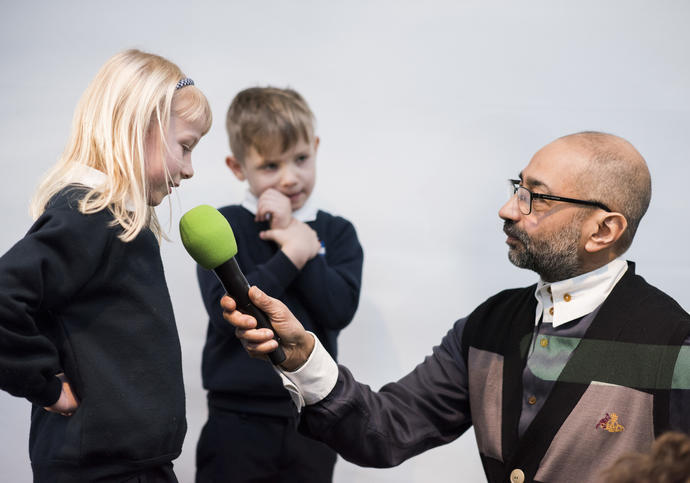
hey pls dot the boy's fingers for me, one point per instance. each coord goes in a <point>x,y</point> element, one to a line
<point>263,214</point>
<point>267,235</point>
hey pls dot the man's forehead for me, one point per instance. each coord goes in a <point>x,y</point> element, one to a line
<point>533,181</point>
<point>554,168</point>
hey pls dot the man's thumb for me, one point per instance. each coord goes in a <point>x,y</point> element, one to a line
<point>270,306</point>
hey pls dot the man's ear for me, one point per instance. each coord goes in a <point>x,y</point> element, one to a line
<point>236,167</point>
<point>606,230</point>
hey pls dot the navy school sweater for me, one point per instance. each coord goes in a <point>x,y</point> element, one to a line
<point>76,299</point>
<point>323,296</point>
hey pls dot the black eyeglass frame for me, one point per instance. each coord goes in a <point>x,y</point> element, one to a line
<point>516,185</point>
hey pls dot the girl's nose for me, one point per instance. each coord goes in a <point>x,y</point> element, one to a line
<point>187,170</point>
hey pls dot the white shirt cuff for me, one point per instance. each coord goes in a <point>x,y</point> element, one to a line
<point>314,380</point>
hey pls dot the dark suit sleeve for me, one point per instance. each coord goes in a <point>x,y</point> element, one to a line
<point>427,408</point>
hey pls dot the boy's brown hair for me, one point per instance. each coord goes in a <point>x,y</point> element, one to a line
<point>269,120</point>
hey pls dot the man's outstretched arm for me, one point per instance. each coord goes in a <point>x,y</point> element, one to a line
<point>426,408</point>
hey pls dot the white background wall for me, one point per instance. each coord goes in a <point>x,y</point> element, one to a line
<point>424,109</point>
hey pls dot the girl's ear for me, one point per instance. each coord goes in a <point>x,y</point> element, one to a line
<point>236,167</point>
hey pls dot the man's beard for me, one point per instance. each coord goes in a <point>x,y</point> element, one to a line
<point>554,257</point>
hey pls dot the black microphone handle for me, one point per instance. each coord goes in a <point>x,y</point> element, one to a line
<point>236,285</point>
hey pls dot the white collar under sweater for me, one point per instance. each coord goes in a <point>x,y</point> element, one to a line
<point>306,213</point>
<point>88,176</point>
<point>93,178</point>
<point>566,300</point>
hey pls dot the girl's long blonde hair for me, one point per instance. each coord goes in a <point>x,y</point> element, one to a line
<point>130,97</point>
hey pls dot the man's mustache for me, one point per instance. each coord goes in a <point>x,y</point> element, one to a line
<point>510,229</point>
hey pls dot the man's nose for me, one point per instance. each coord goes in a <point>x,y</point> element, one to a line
<point>510,210</point>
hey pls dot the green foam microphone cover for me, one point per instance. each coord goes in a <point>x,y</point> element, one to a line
<point>207,236</point>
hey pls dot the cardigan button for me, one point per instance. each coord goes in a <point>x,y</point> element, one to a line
<point>517,476</point>
<point>567,297</point>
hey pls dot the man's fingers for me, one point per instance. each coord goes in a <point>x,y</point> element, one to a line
<point>239,320</point>
<point>228,303</point>
<point>259,298</point>
<point>257,342</point>
<point>272,307</point>
<point>254,336</point>
<point>236,318</point>
<point>262,349</point>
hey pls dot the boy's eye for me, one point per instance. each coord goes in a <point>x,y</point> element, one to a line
<point>301,158</point>
<point>270,166</point>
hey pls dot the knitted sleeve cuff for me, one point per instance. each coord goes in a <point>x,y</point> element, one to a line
<point>48,395</point>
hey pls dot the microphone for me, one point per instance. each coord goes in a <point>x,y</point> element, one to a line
<point>208,238</point>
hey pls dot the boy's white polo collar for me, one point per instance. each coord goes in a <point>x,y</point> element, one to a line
<point>567,300</point>
<point>306,213</point>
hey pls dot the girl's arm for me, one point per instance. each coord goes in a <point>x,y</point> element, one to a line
<point>38,275</point>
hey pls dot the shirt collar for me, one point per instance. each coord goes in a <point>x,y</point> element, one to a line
<point>566,300</point>
<point>306,213</point>
<point>93,178</point>
<point>88,176</point>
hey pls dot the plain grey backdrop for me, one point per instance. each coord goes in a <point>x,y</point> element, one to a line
<point>423,108</point>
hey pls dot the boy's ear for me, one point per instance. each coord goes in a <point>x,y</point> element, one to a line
<point>317,140</point>
<point>236,167</point>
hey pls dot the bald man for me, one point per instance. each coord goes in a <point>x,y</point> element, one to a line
<point>558,379</point>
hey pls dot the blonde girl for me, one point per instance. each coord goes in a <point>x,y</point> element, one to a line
<point>87,331</point>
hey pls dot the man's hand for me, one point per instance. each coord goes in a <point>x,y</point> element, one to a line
<point>274,203</point>
<point>298,241</point>
<point>295,341</point>
<point>67,403</point>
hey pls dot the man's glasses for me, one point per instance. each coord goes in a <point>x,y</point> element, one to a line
<point>525,197</point>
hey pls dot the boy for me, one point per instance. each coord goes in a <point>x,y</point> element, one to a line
<point>308,258</point>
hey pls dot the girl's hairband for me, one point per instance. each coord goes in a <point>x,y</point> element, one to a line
<point>184,82</point>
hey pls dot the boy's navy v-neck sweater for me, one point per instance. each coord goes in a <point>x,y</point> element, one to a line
<point>74,298</point>
<point>323,296</point>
